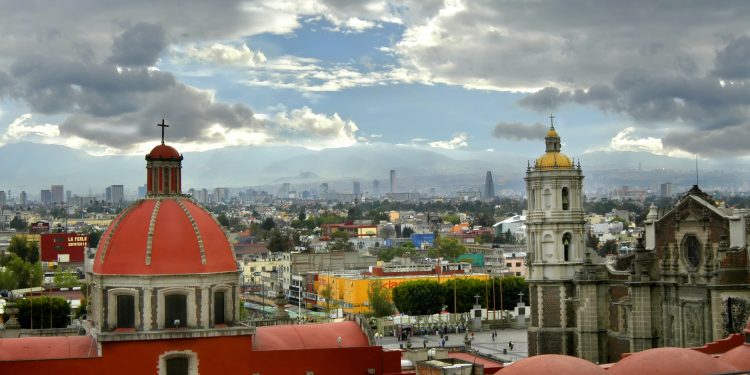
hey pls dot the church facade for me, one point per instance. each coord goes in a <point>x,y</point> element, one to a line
<point>686,284</point>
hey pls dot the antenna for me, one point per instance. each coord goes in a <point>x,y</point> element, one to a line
<point>696,169</point>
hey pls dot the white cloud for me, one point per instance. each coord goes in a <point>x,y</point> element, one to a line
<point>23,129</point>
<point>458,141</point>
<point>626,140</point>
<point>222,54</point>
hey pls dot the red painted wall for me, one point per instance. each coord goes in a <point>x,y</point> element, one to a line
<point>73,244</point>
<point>216,355</point>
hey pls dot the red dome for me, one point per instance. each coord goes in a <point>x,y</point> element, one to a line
<point>163,151</point>
<point>175,237</point>
<point>669,361</point>
<point>738,357</point>
<point>552,364</point>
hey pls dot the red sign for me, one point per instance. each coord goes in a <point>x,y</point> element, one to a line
<point>63,247</point>
<point>39,227</point>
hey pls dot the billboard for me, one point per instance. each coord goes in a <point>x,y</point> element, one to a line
<point>63,247</point>
<point>39,227</point>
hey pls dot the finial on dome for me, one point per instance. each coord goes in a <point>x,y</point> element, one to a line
<point>551,121</point>
<point>162,125</point>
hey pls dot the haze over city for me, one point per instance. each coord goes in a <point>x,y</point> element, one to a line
<point>261,82</point>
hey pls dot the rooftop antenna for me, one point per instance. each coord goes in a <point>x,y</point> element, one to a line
<point>696,169</point>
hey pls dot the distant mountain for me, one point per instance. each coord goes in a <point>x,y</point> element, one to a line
<point>31,167</point>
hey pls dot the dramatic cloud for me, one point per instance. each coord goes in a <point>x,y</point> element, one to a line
<point>733,62</point>
<point>458,141</point>
<point>626,140</point>
<point>313,130</point>
<point>519,132</point>
<point>222,54</point>
<point>140,45</point>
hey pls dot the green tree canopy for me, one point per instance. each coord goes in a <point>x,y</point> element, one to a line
<point>43,312</point>
<point>418,297</point>
<point>65,279</point>
<point>452,218</point>
<point>18,224</point>
<point>28,251</point>
<point>458,294</point>
<point>448,248</point>
<point>380,303</point>
<point>267,224</point>
<point>21,274</point>
<point>407,232</point>
<point>279,242</point>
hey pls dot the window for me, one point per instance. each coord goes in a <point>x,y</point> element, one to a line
<point>692,251</point>
<point>566,247</point>
<point>125,311</point>
<point>178,366</point>
<point>175,311</point>
<point>518,264</point>
<point>518,274</point>
<point>565,199</point>
<point>219,307</point>
<point>508,264</point>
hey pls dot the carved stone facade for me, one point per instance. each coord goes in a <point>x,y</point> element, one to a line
<point>686,284</point>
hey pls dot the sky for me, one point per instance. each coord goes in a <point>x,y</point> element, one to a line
<point>458,77</point>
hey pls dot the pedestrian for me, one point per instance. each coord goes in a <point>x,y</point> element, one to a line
<point>442,343</point>
<point>493,336</point>
<point>510,345</point>
<point>424,343</point>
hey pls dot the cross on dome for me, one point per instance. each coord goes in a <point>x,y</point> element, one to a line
<point>551,121</point>
<point>162,125</point>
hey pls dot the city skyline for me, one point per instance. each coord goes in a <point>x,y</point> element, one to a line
<point>321,75</point>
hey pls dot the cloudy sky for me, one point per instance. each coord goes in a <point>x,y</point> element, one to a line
<point>464,77</point>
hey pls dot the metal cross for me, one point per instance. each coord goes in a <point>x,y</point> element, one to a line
<point>162,125</point>
<point>551,121</point>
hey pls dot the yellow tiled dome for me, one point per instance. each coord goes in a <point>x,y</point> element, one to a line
<point>553,160</point>
<point>552,132</point>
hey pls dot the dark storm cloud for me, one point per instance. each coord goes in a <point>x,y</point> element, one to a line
<point>517,132</point>
<point>52,85</point>
<point>709,115</point>
<point>190,112</point>
<point>139,45</point>
<point>733,61</point>
<point>5,84</point>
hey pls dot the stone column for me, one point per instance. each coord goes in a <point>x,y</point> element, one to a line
<point>587,321</point>
<point>205,307</point>
<point>640,319</point>
<point>148,316</point>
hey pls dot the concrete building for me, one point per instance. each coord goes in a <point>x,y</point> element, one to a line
<point>58,193</point>
<point>117,194</point>
<point>489,186</point>
<point>375,188</point>
<point>393,181</point>
<point>45,196</point>
<point>23,198</point>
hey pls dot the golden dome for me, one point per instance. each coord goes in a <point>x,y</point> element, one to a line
<point>553,160</point>
<point>552,132</point>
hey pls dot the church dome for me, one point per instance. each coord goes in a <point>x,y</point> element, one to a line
<point>552,160</point>
<point>552,364</point>
<point>552,132</point>
<point>739,357</point>
<point>164,235</point>
<point>669,361</point>
<point>163,152</point>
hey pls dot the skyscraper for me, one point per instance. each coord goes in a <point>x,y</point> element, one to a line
<point>393,180</point>
<point>489,186</point>
<point>58,192</point>
<point>356,189</point>
<point>46,196</point>
<point>118,194</point>
<point>3,199</point>
<point>22,198</point>
<point>375,188</point>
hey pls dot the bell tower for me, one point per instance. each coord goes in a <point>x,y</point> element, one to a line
<point>555,247</point>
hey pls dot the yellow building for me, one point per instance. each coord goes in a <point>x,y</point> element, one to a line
<point>349,291</point>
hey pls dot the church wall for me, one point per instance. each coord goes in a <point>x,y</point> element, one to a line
<point>217,355</point>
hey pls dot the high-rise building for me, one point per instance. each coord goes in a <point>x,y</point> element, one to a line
<point>108,194</point>
<point>3,198</point>
<point>68,195</point>
<point>666,189</point>
<point>393,180</point>
<point>45,196</point>
<point>142,191</point>
<point>356,189</point>
<point>489,186</point>
<point>375,188</point>
<point>118,194</point>
<point>323,190</point>
<point>284,190</point>
<point>22,198</point>
<point>58,192</point>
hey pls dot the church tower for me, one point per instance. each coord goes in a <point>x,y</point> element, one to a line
<point>555,246</point>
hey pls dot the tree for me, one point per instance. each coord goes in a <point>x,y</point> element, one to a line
<point>27,251</point>
<point>609,247</point>
<point>448,248</point>
<point>458,294</point>
<point>267,224</point>
<point>452,218</point>
<point>279,242</point>
<point>327,293</point>
<point>418,297</point>
<point>18,224</point>
<point>592,241</point>
<point>44,312</point>
<point>407,232</point>
<point>340,241</point>
<point>380,304</point>
<point>65,279</point>
<point>302,215</point>
<point>223,220</point>
<point>24,274</point>
<point>510,287</point>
